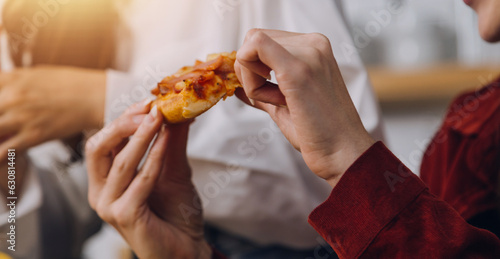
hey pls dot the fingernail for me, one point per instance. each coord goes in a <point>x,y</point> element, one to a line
<point>137,119</point>
<point>148,101</point>
<point>251,101</point>
<point>154,111</point>
<point>283,106</point>
<point>163,130</point>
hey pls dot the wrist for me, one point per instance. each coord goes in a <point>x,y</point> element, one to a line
<point>340,161</point>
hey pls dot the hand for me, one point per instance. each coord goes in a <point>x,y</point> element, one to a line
<point>310,104</point>
<point>45,103</point>
<point>145,205</point>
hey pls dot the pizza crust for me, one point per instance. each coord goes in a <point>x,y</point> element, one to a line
<point>194,90</point>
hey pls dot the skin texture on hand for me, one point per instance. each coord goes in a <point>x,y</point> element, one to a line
<point>145,205</point>
<point>310,104</point>
<point>45,103</point>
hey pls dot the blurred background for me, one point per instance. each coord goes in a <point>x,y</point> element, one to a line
<point>419,54</point>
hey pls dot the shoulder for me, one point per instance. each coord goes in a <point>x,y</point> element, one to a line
<point>472,111</point>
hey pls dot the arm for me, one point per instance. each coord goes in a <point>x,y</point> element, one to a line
<point>379,207</point>
<point>45,103</point>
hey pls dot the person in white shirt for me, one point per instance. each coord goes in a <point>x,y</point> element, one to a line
<point>243,166</point>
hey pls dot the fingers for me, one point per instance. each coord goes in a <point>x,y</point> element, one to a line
<point>17,142</point>
<point>176,140</point>
<point>126,162</point>
<point>273,33</point>
<point>260,51</point>
<point>255,60</point>
<point>142,185</point>
<point>6,78</point>
<point>240,93</point>
<point>9,124</point>
<point>100,147</point>
<point>103,146</point>
<point>261,71</point>
<point>261,89</point>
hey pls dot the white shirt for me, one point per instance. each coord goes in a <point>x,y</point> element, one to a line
<point>251,180</point>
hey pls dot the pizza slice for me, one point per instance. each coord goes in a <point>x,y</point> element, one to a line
<point>195,89</point>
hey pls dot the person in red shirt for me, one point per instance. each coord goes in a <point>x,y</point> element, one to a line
<point>462,163</point>
<point>378,208</point>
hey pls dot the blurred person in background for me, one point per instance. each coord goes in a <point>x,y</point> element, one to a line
<point>245,173</point>
<point>51,88</point>
<point>377,209</point>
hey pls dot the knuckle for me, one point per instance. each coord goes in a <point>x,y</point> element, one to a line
<point>121,216</point>
<point>251,33</point>
<point>258,38</point>
<point>146,177</point>
<point>316,54</point>
<point>94,146</point>
<point>121,163</point>
<point>144,135</point>
<point>90,146</point>
<point>104,213</point>
<point>155,155</point>
<point>92,143</point>
<point>320,41</point>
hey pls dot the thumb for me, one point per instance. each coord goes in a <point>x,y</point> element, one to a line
<point>175,161</point>
<point>176,141</point>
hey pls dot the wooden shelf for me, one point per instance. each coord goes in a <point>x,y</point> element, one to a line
<point>438,82</point>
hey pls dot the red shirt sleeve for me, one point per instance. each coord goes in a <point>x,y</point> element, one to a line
<point>381,209</point>
<point>461,164</point>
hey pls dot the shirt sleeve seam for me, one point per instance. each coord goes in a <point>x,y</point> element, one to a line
<point>419,193</point>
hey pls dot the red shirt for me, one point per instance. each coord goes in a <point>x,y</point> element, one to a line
<point>462,163</point>
<point>379,209</point>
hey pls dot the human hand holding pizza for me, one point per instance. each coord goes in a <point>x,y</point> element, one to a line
<point>310,104</point>
<point>143,205</point>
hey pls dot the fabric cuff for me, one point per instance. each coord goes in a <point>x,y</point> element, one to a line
<point>375,189</point>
